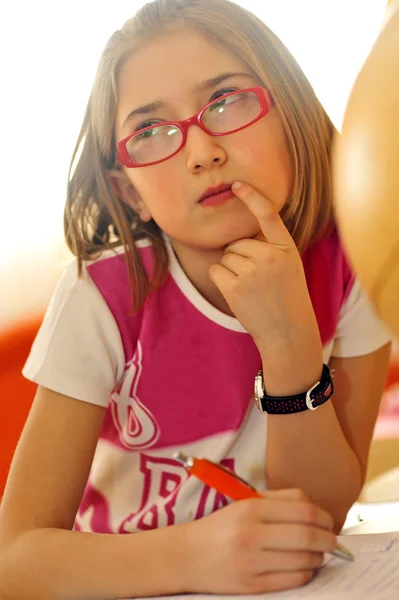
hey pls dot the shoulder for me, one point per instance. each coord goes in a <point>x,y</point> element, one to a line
<point>78,350</point>
<point>326,260</point>
<point>347,321</point>
<point>329,279</point>
<point>359,330</point>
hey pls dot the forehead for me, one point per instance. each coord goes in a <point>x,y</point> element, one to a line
<point>171,65</point>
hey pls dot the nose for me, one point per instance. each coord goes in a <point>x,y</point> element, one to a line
<point>203,151</point>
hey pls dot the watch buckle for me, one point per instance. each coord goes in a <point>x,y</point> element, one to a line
<point>309,401</point>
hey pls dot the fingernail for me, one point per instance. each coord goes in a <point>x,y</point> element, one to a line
<point>236,185</point>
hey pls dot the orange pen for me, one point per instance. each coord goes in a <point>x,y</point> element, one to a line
<point>217,476</point>
<point>226,482</point>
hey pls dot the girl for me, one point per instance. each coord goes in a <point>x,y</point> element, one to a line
<point>206,257</point>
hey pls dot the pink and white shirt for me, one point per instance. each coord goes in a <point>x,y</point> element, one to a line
<point>176,376</point>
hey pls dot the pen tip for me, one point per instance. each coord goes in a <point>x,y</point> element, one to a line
<point>342,552</point>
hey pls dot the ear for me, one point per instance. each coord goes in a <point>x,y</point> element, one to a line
<point>128,194</point>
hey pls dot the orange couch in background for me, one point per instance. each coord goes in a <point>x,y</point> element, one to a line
<point>16,393</point>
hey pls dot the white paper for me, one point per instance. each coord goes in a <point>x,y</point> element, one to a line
<point>374,574</point>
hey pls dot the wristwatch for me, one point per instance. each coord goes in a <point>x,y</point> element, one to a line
<point>319,393</point>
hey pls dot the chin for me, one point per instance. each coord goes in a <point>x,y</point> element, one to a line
<point>220,242</point>
<point>241,233</point>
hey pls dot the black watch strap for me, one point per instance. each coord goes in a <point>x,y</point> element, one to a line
<point>283,405</point>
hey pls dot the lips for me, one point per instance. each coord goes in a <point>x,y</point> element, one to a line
<point>212,191</point>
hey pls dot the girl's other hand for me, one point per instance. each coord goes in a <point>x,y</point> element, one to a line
<point>258,545</point>
<point>263,281</point>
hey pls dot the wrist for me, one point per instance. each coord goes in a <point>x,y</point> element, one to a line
<point>181,563</point>
<point>162,560</point>
<point>287,371</point>
<point>199,556</point>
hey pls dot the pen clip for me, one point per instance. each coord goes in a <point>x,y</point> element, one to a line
<point>186,461</point>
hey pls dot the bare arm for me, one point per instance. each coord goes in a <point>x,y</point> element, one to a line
<point>264,283</point>
<point>40,556</point>
<point>328,448</point>
<point>252,546</point>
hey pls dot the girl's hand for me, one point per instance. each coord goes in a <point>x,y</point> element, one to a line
<point>259,545</point>
<point>263,282</point>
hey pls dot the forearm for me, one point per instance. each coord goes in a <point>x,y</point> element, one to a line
<point>309,449</point>
<point>55,564</point>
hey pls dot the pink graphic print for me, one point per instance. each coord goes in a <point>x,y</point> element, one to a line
<point>162,481</point>
<point>94,513</point>
<point>163,501</point>
<point>162,478</point>
<point>134,422</point>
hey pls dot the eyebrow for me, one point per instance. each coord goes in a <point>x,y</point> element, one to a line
<point>201,86</point>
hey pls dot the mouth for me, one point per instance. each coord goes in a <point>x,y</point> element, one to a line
<point>216,195</point>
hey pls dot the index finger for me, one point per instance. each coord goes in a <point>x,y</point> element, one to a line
<point>271,224</point>
<point>280,509</point>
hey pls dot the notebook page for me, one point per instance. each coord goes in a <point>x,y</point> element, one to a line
<point>373,575</point>
<point>371,542</point>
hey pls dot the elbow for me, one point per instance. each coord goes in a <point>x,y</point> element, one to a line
<point>352,480</point>
<point>344,503</point>
<point>339,523</point>
<point>339,514</point>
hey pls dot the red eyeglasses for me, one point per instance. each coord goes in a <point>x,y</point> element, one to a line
<point>227,114</point>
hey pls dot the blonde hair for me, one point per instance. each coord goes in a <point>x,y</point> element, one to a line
<point>96,219</point>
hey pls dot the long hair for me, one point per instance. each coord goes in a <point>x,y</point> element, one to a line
<point>96,219</point>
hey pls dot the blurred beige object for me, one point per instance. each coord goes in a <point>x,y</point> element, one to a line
<point>384,488</point>
<point>367,175</point>
<point>384,456</point>
<point>382,479</point>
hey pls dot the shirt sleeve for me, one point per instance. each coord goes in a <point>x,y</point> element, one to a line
<point>78,350</point>
<point>359,329</point>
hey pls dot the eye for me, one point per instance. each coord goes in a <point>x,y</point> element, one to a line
<point>222,101</point>
<point>145,134</point>
<point>146,124</point>
<point>223,92</point>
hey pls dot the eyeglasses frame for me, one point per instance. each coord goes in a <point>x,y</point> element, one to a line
<point>266,103</point>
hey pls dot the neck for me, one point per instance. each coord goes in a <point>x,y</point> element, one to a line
<point>196,263</point>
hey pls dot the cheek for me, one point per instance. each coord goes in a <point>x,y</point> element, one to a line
<point>157,185</point>
<point>147,184</point>
<point>160,189</point>
<point>266,160</point>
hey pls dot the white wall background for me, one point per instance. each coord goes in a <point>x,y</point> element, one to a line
<point>49,51</point>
